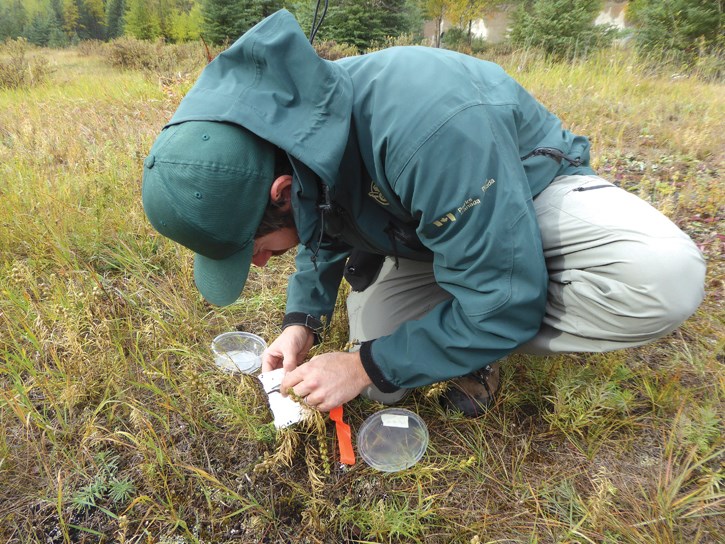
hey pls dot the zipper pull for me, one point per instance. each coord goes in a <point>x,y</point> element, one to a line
<point>555,154</point>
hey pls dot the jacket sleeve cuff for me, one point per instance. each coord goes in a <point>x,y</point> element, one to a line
<point>306,320</point>
<point>373,371</point>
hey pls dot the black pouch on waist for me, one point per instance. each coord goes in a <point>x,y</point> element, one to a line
<point>362,269</point>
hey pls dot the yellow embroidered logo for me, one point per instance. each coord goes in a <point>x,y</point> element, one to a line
<point>376,195</point>
<point>447,217</point>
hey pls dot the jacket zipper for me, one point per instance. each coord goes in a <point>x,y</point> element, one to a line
<point>555,154</point>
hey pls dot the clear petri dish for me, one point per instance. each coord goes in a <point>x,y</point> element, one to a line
<point>238,352</point>
<point>392,440</point>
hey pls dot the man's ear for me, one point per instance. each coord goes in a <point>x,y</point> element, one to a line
<point>281,192</point>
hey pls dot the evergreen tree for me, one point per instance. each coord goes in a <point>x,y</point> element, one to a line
<point>359,23</point>
<point>56,37</point>
<point>686,26</point>
<point>253,11</point>
<point>93,20</point>
<point>56,12</point>
<point>114,19</point>
<point>562,28</point>
<point>37,31</point>
<point>226,20</point>
<point>221,20</point>
<point>393,17</point>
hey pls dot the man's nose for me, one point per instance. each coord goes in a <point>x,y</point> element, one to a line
<point>261,258</point>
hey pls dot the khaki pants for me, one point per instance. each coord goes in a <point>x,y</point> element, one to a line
<point>620,274</point>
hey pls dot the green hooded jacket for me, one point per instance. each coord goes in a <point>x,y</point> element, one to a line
<point>411,152</point>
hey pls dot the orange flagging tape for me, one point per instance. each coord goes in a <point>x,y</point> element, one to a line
<point>344,437</point>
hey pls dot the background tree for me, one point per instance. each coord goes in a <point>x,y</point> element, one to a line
<point>436,11</point>
<point>254,11</point>
<point>361,23</point>
<point>56,12</point>
<point>93,19</point>
<point>464,12</point>
<point>186,26</point>
<point>114,18</point>
<point>221,20</point>
<point>72,18</point>
<point>226,20</point>
<point>562,28</point>
<point>56,36</point>
<point>685,26</point>
<point>164,10</point>
<point>13,19</point>
<point>37,31</point>
<point>141,20</point>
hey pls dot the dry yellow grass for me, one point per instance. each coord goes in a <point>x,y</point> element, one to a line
<point>115,427</point>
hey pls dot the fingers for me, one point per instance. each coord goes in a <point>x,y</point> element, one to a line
<point>327,380</point>
<point>288,350</point>
<point>314,391</point>
<point>270,361</point>
<point>289,364</point>
<point>274,357</point>
<point>295,381</point>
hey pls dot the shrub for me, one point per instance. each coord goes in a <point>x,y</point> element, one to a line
<point>157,57</point>
<point>331,50</point>
<point>458,39</point>
<point>18,69</point>
<point>88,48</point>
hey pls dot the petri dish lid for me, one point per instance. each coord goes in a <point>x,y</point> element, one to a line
<point>392,439</point>
<point>238,352</point>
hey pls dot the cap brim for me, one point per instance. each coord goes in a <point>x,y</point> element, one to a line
<point>221,281</point>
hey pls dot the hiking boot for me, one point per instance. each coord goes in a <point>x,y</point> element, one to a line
<point>473,393</point>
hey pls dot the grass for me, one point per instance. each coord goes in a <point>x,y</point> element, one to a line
<point>115,427</point>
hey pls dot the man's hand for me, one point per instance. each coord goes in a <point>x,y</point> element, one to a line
<point>327,380</point>
<point>289,349</point>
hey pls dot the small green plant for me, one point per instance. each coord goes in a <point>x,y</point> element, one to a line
<point>700,428</point>
<point>105,486</point>
<point>589,404</point>
<point>398,518</point>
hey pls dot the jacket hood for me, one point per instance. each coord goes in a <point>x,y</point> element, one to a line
<point>272,82</point>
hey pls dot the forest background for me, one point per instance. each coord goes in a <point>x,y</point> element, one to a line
<point>692,26</point>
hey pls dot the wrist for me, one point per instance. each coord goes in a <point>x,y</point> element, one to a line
<point>310,322</point>
<point>301,330</point>
<point>361,376</point>
<point>373,371</point>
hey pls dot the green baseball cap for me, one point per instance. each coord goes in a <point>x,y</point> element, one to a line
<point>206,185</point>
